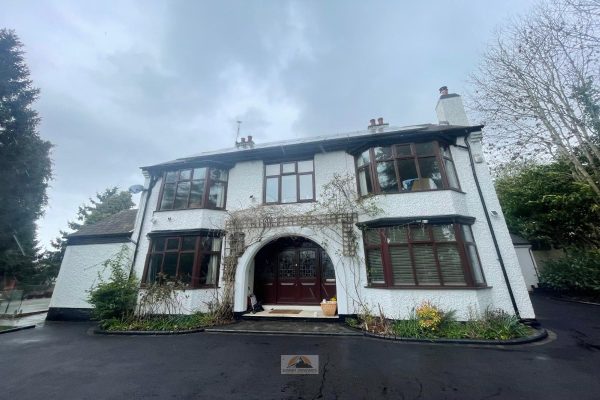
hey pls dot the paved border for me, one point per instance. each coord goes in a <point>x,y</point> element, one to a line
<point>16,329</point>
<point>271,332</point>
<point>99,331</point>
<point>540,335</point>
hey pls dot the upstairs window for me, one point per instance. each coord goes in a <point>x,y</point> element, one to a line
<point>194,188</point>
<point>423,255</point>
<point>289,182</point>
<point>405,168</point>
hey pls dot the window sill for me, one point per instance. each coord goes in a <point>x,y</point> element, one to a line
<point>411,191</point>
<point>185,289</point>
<point>287,204</point>
<point>429,287</point>
<point>188,209</point>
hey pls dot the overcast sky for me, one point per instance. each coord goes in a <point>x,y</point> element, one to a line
<point>131,83</point>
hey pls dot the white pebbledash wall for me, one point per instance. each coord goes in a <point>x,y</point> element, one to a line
<point>81,267</point>
<point>245,188</point>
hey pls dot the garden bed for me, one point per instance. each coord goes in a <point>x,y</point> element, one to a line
<point>429,323</point>
<point>160,324</point>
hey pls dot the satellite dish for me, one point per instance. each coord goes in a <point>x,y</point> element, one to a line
<point>136,189</point>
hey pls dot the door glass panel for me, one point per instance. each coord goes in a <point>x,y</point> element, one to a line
<point>218,174</point>
<point>159,244</point>
<point>308,264</point>
<point>288,189</point>
<point>286,265</point>
<point>306,187</point>
<point>171,176</point>
<point>327,266</point>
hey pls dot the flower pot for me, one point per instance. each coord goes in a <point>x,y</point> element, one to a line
<point>329,308</point>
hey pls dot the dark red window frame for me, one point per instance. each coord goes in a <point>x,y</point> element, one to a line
<point>181,178</point>
<point>161,247</point>
<point>368,160</point>
<point>376,241</point>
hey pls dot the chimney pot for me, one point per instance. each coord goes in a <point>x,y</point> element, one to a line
<point>372,122</point>
<point>443,90</point>
<point>249,138</point>
<point>380,121</point>
<point>243,140</point>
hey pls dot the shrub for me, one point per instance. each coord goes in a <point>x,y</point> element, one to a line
<point>578,271</point>
<point>429,317</point>
<point>115,299</point>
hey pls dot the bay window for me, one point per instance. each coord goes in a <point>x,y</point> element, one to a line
<point>201,187</point>
<point>406,167</point>
<point>422,255</point>
<point>185,261</point>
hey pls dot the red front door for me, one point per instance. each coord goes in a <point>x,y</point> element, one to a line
<point>298,274</point>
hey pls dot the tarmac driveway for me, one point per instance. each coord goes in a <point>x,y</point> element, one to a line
<point>63,361</point>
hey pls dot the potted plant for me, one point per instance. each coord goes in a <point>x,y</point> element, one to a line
<point>329,307</point>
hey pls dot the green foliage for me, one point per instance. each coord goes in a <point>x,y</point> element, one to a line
<point>430,322</point>
<point>25,165</point>
<point>115,299</point>
<point>161,323</point>
<point>578,272</point>
<point>547,204</point>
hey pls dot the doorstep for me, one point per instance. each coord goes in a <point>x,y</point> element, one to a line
<point>290,312</point>
<point>266,326</point>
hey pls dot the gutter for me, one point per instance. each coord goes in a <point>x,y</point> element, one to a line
<point>490,226</point>
<point>151,184</point>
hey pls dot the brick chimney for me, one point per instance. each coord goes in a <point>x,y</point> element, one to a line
<point>450,109</point>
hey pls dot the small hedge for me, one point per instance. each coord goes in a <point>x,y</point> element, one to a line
<point>576,273</point>
<point>160,323</point>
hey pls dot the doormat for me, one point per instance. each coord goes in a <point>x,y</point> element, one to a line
<point>285,311</point>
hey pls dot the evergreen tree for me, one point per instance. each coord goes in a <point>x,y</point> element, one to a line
<point>25,165</point>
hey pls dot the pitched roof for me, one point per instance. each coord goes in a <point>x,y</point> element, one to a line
<point>516,239</point>
<point>120,224</point>
<point>348,141</point>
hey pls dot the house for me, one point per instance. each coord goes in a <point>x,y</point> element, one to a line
<point>282,220</point>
